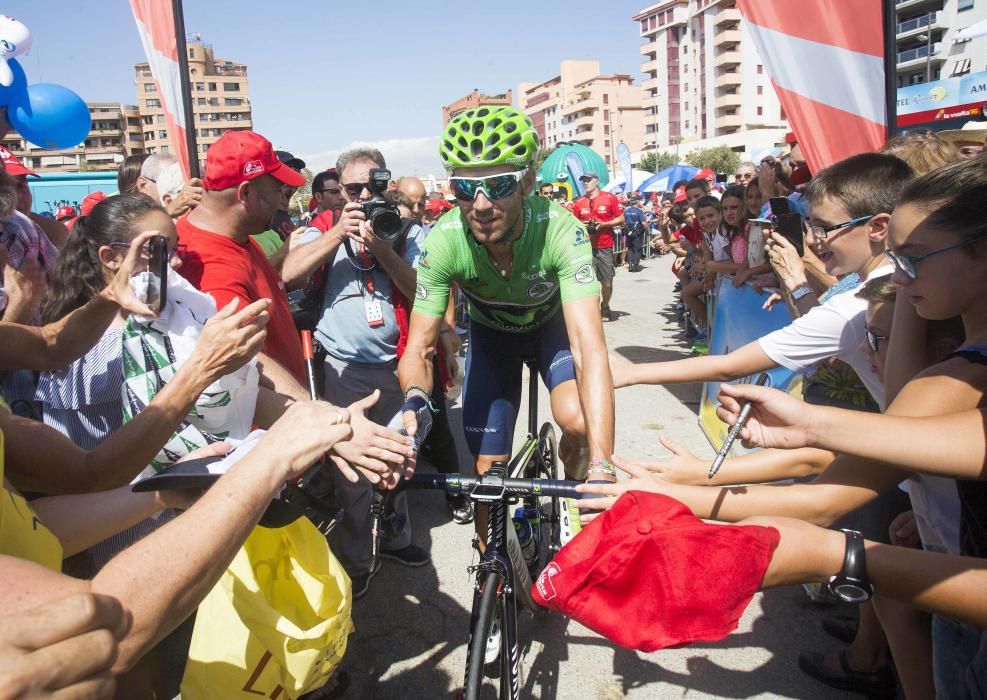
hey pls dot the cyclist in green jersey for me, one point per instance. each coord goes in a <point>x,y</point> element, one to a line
<point>525,265</point>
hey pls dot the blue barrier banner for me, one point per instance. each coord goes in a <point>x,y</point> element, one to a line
<point>736,320</point>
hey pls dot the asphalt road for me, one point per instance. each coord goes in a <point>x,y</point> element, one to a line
<point>411,627</point>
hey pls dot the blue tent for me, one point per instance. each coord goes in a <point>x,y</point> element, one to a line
<point>663,180</point>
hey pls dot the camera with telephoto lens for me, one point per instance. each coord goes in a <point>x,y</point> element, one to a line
<point>591,226</point>
<point>381,214</point>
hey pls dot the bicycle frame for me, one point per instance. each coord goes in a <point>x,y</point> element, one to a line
<point>515,467</point>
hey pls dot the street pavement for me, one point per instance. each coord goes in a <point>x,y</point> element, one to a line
<point>411,627</point>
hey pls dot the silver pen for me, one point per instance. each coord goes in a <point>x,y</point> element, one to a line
<point>745,412</point>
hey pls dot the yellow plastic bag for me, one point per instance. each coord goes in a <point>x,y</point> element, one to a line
<point>276,625</point>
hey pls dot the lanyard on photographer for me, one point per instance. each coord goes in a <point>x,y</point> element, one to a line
<point>365,265</point>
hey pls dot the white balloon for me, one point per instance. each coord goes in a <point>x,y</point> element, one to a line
<point>15,40</point>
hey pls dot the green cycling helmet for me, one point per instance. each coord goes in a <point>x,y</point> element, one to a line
<point>488,136</point>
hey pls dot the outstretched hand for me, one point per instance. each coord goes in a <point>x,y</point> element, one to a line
<point>382,455</point>
<point>777,419</point>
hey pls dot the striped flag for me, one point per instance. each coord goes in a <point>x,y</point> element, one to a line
<point>156,26</point>
<point>826,61</point>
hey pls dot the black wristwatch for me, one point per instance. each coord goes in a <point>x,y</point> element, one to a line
<point>851,585</point>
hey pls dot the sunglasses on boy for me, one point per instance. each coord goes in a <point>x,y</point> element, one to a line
<point>906,264</point>
<point>493,186</point>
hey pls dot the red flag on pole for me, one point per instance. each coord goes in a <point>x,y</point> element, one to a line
<point>826,61</point>
<point>160,37</point>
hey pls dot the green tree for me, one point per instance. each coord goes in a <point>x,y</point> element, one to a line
<point>721,159</point>
<point>655,162</point>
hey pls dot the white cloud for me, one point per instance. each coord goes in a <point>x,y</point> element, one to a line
<point>404,156</point>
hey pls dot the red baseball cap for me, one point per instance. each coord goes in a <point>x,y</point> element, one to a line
<point>91,200</point>
<point>651,561</point>
<point>800,176</point>
<point>13,165</point>
<point>680,196</point>
<point>65,212</point>
<point>705,174</point>
<point>239,156</point>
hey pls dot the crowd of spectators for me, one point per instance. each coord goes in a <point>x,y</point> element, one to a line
<point>885,281</point>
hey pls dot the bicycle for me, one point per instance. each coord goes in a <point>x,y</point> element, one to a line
<point>529,478</point>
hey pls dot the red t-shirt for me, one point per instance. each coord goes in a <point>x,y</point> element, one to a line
<point>226,269</point>
<point>437,207</point>
<point>603,207</point>
<point>323,221</point>
<point>693,234</point>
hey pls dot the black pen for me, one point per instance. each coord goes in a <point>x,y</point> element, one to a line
<point>745,411</point>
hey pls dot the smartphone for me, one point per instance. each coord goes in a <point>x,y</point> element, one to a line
<point>780,205</point>
<point>722,177</point>
<point>156,279</point>
<point>790,226</point>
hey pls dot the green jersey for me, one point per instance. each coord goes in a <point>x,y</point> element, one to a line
<point>552,264</point>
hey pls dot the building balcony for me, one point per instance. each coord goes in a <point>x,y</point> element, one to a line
<point>727,36</point>
<point>727,58</point>
<point>918,56</point>
<point>650,84</point>
<point>729,121</point>
<point>649,48</point>
<point>727,79</point>
<point>731,14</point>
<point>910,5</point>
<point>649,66</point>
<point>580,106</point>
<point>585,123</point>
<point>917,25</point>
<point>728,100</point>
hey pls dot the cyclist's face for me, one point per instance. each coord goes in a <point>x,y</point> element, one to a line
<point>491,220</point>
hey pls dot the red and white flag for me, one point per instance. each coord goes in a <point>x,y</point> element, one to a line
<point>156,26</point>
<point>826,60</point>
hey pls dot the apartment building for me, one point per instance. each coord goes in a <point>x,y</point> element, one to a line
<point>473,100</point>
<point>580,105</point>
<point>706,85</point>
<point>926,45</point>
<point>220,99</point>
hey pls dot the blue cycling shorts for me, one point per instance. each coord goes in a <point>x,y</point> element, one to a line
<point>492,384</point>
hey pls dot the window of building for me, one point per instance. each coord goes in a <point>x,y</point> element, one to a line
<point>153,104</point>
<point>606,144</point>
<point>606,115</point>
<point>202,100</point>
<point>200,87</point>
<point>233,101</point>
<point>212,87</point>
<point>606,128</point>
<point>231,87</point>
<point>150,87</point>
<point>606,98</point>
<point>964,5</point>
<point>644,25</point>
<point>760,111</point>
<point>191,53</point>
<point>760,89</point>
<point>162,134</point>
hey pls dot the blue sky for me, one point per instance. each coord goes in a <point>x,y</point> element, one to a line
<point>325,74</point>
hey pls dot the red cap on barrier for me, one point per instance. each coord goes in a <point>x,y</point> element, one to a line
<point>307,349</point>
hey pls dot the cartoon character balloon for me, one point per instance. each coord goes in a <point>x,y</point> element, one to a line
<point>15,40</point>
<point>50,116</point>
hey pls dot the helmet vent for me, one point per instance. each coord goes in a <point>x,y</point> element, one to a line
<point>476,146</point>
<point>477,128</point>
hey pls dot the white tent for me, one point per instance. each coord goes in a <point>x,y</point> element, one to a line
<point>618,184</point>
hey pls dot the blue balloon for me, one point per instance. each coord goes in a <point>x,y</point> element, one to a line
<point>18,89</point>
<point>51,116</point>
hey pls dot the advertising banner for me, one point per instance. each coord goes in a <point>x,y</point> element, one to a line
<point>737,319</point>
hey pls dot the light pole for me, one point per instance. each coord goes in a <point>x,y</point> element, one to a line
<point>928,46</point>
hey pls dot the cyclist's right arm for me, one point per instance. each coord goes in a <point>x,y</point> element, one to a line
<point>434,278</point>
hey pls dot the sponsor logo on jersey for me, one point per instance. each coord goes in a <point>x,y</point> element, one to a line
<point>539,275</point>
<point>581,237</point>
<point>540,289</point>
<point>423,260</point>
<point>584,275</point>
<point>421,292</point>
<point>542,218</point>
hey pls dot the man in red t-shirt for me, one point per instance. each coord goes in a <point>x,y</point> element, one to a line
<point>601,212</point>
<point>242,191</point>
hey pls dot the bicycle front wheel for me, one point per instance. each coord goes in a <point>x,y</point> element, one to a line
<point>486,615</point>
<point>549,532</point>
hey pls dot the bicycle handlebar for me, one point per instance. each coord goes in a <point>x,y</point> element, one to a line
<point>460,483</point>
